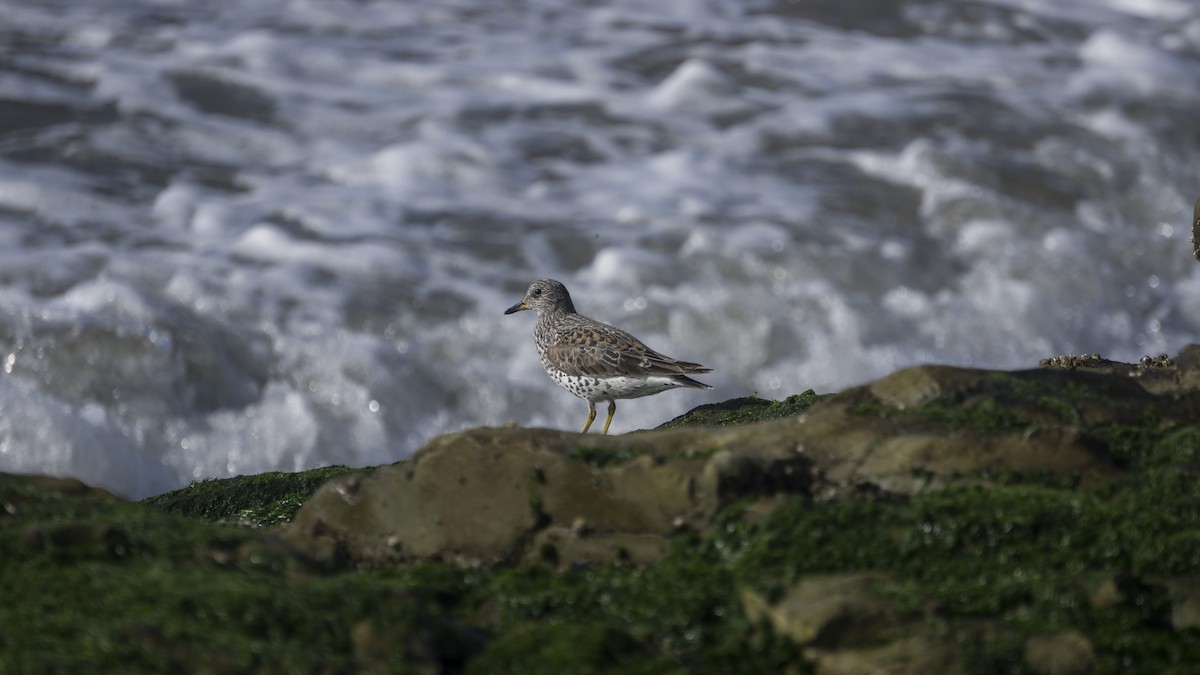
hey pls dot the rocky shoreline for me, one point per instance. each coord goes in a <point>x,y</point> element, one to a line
<point>939,520</point>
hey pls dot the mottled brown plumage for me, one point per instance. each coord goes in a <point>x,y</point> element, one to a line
<point>596,361</point>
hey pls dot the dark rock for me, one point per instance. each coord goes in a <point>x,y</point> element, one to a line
<point>77,537</point>
<point>426,643</point>
<point>563,547</point>
<point>1196,230</point>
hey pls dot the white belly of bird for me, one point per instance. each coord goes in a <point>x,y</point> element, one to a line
<point>596,389</point>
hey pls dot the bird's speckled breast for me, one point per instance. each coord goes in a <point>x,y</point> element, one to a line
<point>595,389</point>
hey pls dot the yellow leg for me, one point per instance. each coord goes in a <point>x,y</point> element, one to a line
<point>591,418</point>
<point>612,409</point>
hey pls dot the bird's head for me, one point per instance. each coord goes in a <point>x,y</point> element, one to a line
<point>544,296</point>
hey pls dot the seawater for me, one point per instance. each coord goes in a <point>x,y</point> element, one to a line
<point>252,236</point>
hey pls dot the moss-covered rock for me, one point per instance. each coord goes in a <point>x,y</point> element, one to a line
<point>1067,652</point>
<point>912,655</point>
<point>830,611</point>
<point>482,495</point>
<point>571,649</point>
<point>257,500</point>
<point>746,410</point>
<point>939,520</point>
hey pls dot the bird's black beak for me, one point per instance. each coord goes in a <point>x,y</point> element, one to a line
<point>520,306</point>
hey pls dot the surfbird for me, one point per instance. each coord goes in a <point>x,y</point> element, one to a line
<point>594,360</point>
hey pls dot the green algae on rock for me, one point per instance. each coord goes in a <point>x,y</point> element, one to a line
<point>746,410</point>
<point>572,648</point>
<point>258,500</point>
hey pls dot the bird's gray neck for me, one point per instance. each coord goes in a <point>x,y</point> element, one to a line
<point>561,309</point>
<point>550,318</point>
<point>552,315</point>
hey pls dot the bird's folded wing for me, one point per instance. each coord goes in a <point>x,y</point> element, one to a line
<point>612,353</point>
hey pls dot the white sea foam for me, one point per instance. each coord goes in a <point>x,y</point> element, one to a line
<point>82,443</point>
<point>252,237</point>
<point>1113,60</point>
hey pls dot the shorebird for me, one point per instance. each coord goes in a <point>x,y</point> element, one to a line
<point>596,361</point>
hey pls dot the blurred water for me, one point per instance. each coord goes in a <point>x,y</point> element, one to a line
<point>239,237</point>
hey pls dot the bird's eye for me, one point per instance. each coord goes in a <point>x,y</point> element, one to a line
<point>537,291</point>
